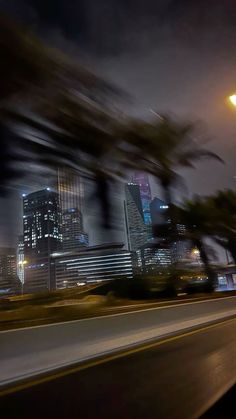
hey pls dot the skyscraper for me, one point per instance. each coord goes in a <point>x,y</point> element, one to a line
<point>71,196</point>
<point>70,189</point>
<point>72,230</point>
<point>42,236</point>
<point>141,179</point>
<point>134,218</point>
<point>159,216</point>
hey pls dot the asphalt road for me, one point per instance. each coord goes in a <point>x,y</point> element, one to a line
<point>31,351</point>
<point>178,378</point>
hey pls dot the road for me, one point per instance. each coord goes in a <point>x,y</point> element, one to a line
<point>178,377</point>
<point>36,350</point>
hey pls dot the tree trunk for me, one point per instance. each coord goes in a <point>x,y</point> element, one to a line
<point>206,262</point>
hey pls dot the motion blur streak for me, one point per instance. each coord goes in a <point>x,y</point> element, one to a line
<point>209,370</point>
<point>45,348</point>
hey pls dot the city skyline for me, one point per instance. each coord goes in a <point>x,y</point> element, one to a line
<point>43,225</point>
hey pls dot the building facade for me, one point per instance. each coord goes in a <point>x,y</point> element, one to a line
<point>142,179</point>
<point>73,235</point>
<point>70,189</point>
<point>134,218</point>
<point>71,197</point>
<point>42,236</point>
<point>92,264</point>
<point>159,216</point>
<point>9,282</point>
<point>150,259</point>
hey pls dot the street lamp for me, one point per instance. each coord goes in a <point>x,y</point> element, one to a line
<point>232,99</point>
<point>196,255</point>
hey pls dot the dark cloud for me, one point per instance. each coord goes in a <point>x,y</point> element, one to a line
<point>110,27</point>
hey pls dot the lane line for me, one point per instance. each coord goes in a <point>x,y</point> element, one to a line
<point>109,358</point>
<point>116,314</point>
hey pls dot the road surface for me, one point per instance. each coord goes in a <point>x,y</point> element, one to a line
<point>177,378</point>
<point>36,350</point>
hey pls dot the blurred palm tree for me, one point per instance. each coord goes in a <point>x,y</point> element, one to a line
<point>161,148</point>
<point>53,112</point>
<point>222,213</point>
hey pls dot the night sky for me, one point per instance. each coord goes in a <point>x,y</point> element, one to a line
<point>171,55</point>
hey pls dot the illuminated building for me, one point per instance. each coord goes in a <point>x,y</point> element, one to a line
<point>71,196</point>
<point>142,179</point>
<point>134,218</point>
<point>91,264</point>
<point>159,216</point>
<point>70,189</point>
<point>150,258</point>
<point>72,230</point>
<point>42,236</point>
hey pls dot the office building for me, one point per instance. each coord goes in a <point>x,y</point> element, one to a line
<point>150,259</point>
<point>91,264</point>
<point>71,196</point>
<point>142,179</point>
<point>42,236</point>
<point>70,189</point>
<point>182,247</point>
<point>159,216</point>
<point>9,282</point>
<point>134,218</point>
<point>73,235</point>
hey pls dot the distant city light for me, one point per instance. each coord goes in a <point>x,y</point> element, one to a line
<point>164,206</point>
<point>195,252</point>
<point>22,262</point>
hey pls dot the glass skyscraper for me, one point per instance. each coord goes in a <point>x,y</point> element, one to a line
<point>141,179</point>
<point>70,189</point>
<point>134,217</point>
<point>71,196</point>
<point>42,236</point>
<point>72,230</point>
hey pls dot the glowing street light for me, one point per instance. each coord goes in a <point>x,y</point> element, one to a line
<point>232,99</point>
<point>22,263</point>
